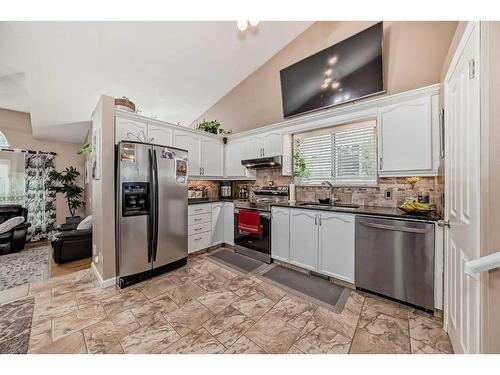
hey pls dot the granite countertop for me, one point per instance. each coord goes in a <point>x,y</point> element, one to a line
<point>209,201</point>
<point>366,210</point>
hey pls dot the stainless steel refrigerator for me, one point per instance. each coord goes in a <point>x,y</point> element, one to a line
<point>151,215</point>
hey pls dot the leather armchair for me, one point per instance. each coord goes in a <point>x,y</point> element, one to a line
<point>70,245</point>
<point>15,239</point>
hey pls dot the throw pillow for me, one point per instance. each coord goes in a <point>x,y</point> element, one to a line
<point>10,224</point>
<point>85,223</point>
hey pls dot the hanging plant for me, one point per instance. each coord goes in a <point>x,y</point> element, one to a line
<point>86,149</point>
<point>213,127</point>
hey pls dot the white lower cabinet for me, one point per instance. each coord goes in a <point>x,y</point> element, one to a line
<point>228,208</point>
<point>217,224</point>
<point>304,239</point>
<point>336,245</point>
<point>318,241</point>
<point>210,224</point>
<point>280,234</point>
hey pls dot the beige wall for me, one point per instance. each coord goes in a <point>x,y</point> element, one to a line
<point>490,181</point>
<point>17,128</point>
<point>414,55</point>
<point>103,192</point>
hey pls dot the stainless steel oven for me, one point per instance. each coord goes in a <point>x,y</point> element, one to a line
<point>255,245</point>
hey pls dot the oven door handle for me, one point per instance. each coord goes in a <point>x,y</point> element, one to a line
<point>266,215</point>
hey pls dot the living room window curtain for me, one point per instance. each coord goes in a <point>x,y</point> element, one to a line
<point>40,198</point>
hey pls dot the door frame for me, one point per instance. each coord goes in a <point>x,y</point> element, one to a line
<point>471,26</point>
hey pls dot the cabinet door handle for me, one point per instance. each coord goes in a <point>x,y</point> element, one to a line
<point>320,220</point>
<point>197,219</point>
<point>380,163</point>
<point>316,219</point>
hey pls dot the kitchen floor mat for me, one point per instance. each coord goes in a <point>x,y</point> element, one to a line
<point>241,263</point>
<point>313,288</point>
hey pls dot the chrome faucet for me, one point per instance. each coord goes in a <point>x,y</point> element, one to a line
<point>332,195</point>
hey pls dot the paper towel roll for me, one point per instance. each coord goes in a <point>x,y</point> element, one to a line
<point>291,193</point>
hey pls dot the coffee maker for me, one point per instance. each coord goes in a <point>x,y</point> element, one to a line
<point>226,190</point>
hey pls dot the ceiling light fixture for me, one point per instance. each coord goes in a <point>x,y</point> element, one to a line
<point>243,25</point>
<point>332,60</point>
<point>335,85</point>
<point>328,72</point>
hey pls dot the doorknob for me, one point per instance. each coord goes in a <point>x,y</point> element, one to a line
<point>443,223</point>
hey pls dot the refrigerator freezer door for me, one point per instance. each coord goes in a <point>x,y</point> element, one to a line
<point>171,244</point>
<point>132,231</point>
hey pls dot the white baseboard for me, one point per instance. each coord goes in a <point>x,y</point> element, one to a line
<point>103,283</point>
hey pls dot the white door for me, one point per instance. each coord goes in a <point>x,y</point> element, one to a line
<point>280,236</point>
<point>304,239</point>
<point>336,246</point>
<point>160,135</point>
<point>228,222</point>
<point>462,119</point>
<point>272,144</point>
<point>217,224</point>
<point>191,143</point>
<point>236,151</point>
<point>254,147</point>
<point>129,130</point>
<point>212,157</point>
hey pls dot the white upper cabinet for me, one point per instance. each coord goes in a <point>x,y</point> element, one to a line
<point>254,146</point>
<point>130,130</point>
<point>236,151</point>
<point>160,135</point>
<point>272,144</point>
<point>336,245</point>
<point>192,143</point>
<point>212,157</point>
<point>280,236</point>
<point>407,140</point>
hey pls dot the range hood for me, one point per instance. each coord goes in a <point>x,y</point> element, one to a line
<point>270,162</point>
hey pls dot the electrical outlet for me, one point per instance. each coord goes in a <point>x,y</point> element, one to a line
<point>388,194</point>
<point>96,259</point>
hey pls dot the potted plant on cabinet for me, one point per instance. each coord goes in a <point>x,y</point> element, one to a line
<point>65,182</point>
<point>213,127</point>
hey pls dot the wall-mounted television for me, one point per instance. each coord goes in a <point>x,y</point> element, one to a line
<point>347,71</point>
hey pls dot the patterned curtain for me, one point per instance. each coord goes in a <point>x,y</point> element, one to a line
<point>40,199</point>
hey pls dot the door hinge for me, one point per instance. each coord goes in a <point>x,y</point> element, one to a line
<point>472,69</point>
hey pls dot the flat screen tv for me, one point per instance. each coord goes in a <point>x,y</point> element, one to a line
<point>349,70</point>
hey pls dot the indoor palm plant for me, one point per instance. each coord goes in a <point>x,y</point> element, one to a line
<point>65,182</point>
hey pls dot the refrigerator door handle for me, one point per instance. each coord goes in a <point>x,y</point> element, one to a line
<point>156,208</point>
<point>151,209</point>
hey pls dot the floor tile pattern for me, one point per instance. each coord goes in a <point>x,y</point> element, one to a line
<point>203,308</point>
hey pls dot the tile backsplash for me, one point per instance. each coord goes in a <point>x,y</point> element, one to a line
<point>367,196</point>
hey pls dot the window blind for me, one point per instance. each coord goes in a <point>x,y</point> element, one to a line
<point>343,154</point>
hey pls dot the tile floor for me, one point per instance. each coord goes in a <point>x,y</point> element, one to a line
<point>203,308</point>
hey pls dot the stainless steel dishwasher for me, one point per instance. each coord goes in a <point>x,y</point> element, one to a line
<point>395,258</point>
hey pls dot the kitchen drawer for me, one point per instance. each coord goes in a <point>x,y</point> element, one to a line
<point>200,219</point>
<point>199,241</point>
<point>197,209</point>
<point>199,228</point>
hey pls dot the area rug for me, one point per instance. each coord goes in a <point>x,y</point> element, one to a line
<point>237,262</point>
<point>15,326</point>
<point>27,266</point>
<point>313,288</point>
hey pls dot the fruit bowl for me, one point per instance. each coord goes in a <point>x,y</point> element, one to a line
<point>414,207</point>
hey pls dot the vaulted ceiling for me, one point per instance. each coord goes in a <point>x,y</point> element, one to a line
<point>172,70</point>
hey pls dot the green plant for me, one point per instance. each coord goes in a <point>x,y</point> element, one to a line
<point>86,149</point>
<point>299,165</point>
<point>66,183</point>
<point>212,127</point>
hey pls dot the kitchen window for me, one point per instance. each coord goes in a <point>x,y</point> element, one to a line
<point>345,155</point>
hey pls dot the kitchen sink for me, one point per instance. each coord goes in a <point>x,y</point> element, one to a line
<point>332,205</point>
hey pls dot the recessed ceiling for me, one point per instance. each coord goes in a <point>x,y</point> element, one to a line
<point>172,70</point>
